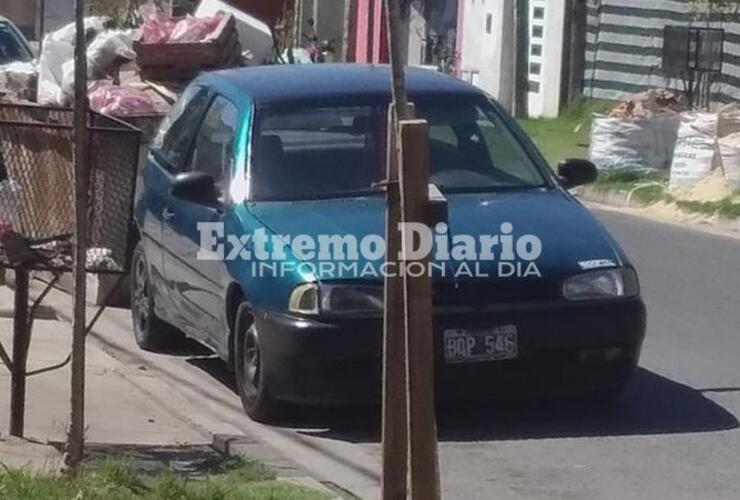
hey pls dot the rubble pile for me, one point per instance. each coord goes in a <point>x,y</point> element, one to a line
<point>648,104</point>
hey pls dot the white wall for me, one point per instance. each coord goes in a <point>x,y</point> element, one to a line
<point>487,52</point>
<point>546,27</point>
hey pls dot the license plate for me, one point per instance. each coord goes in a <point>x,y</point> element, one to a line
<point>474,346</point>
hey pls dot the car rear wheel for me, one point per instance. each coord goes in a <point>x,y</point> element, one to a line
<point>150,332</point>
<point>251,376</point>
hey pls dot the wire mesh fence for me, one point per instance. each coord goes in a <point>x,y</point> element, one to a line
<point>37,189</point>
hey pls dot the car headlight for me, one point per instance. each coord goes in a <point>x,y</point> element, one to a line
<point>602,284</point>
<point>336,299</point>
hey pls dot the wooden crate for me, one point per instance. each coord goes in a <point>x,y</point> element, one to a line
<point>181,61</point>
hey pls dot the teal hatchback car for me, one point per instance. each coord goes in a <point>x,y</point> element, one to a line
<point>260,226</point>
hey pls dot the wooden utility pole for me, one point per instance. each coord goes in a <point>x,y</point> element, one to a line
<point>75,439</point>
<point>409,422</point>
<point>521,82</point>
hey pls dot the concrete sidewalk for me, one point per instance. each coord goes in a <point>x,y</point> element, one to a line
<point>117,411</point>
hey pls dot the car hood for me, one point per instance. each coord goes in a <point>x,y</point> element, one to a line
<point>572,239</point>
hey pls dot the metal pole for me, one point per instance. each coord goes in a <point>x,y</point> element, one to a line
<point>75,444</point>
<point>21,340</point>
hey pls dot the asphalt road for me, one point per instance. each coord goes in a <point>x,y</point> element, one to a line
<point>674,434</point>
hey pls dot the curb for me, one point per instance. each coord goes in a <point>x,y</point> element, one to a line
<point>241,446</point>
<point>621,199</point>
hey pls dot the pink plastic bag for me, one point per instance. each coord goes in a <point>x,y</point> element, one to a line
<point>121,101</point>
<point>194,29</point>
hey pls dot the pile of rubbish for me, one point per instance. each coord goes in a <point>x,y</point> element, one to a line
<point>648,104</point>
<point>654,130</point>
<point>158,59</point>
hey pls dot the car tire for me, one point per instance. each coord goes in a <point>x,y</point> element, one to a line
<point>251,377</point>
<point>150,332</point>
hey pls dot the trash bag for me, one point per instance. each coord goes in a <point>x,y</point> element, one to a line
<point>194,29</point>
<point>122,101</point>
<point>58,49</point>
<point>107,51</point>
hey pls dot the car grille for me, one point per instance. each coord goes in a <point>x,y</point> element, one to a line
<point>484,293</point>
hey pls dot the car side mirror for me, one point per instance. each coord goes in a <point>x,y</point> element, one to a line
<point>575,172</point>
<point>195,187</point>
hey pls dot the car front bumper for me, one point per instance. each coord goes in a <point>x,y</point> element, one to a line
<point>564,348</point>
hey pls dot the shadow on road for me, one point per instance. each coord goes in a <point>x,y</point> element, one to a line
<point>651,404</point>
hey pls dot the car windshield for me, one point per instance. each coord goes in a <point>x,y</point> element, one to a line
<point>11,48</point>
<point>338,151</point>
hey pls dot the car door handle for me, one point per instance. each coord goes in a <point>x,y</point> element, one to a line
<point>168,214</point>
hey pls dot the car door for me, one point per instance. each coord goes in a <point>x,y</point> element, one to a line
<point>198,284</point>
<point>168,154</point>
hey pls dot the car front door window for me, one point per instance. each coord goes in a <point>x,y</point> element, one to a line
<point>175,136</point>
<point>214,144</point>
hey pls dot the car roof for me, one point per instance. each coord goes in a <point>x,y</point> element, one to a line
<point>310,82</point>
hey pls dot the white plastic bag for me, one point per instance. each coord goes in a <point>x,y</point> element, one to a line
<point>53,56</point>
<point>106,49</point>
<point>696,148</point>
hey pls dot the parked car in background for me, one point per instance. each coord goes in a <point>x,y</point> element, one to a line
<point>299,150</point>
<point>13,45</point>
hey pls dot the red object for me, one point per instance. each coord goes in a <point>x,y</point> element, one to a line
<point>368,37</point>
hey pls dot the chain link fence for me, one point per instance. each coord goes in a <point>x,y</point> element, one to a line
<point>37,188</point>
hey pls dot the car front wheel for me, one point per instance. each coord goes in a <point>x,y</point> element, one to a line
<point>251,376</point>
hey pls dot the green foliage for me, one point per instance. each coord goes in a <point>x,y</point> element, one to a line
<point>229,479</point>
<point>568,135</point>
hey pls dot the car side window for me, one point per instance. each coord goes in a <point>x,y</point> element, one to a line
<point>175,136</point>
<point>214,144</point>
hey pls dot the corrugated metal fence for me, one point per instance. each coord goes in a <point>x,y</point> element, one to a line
<point>625,47</point>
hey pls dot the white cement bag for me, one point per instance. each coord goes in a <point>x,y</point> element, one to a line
<point>729,148</point>
<point>696,148</point>
<point>646,144</point>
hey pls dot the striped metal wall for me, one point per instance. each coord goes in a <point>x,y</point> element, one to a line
<point>625,47</point>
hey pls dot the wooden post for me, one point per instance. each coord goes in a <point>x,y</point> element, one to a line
<point>75,439</point>
<point>422,423</point>
<point>398,24</point>
<point>21,341</point>
<point>410,440</point>
<point>395,405</point>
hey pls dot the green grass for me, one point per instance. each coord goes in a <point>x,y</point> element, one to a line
<point>119,480</point>
<point>568,135</point>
